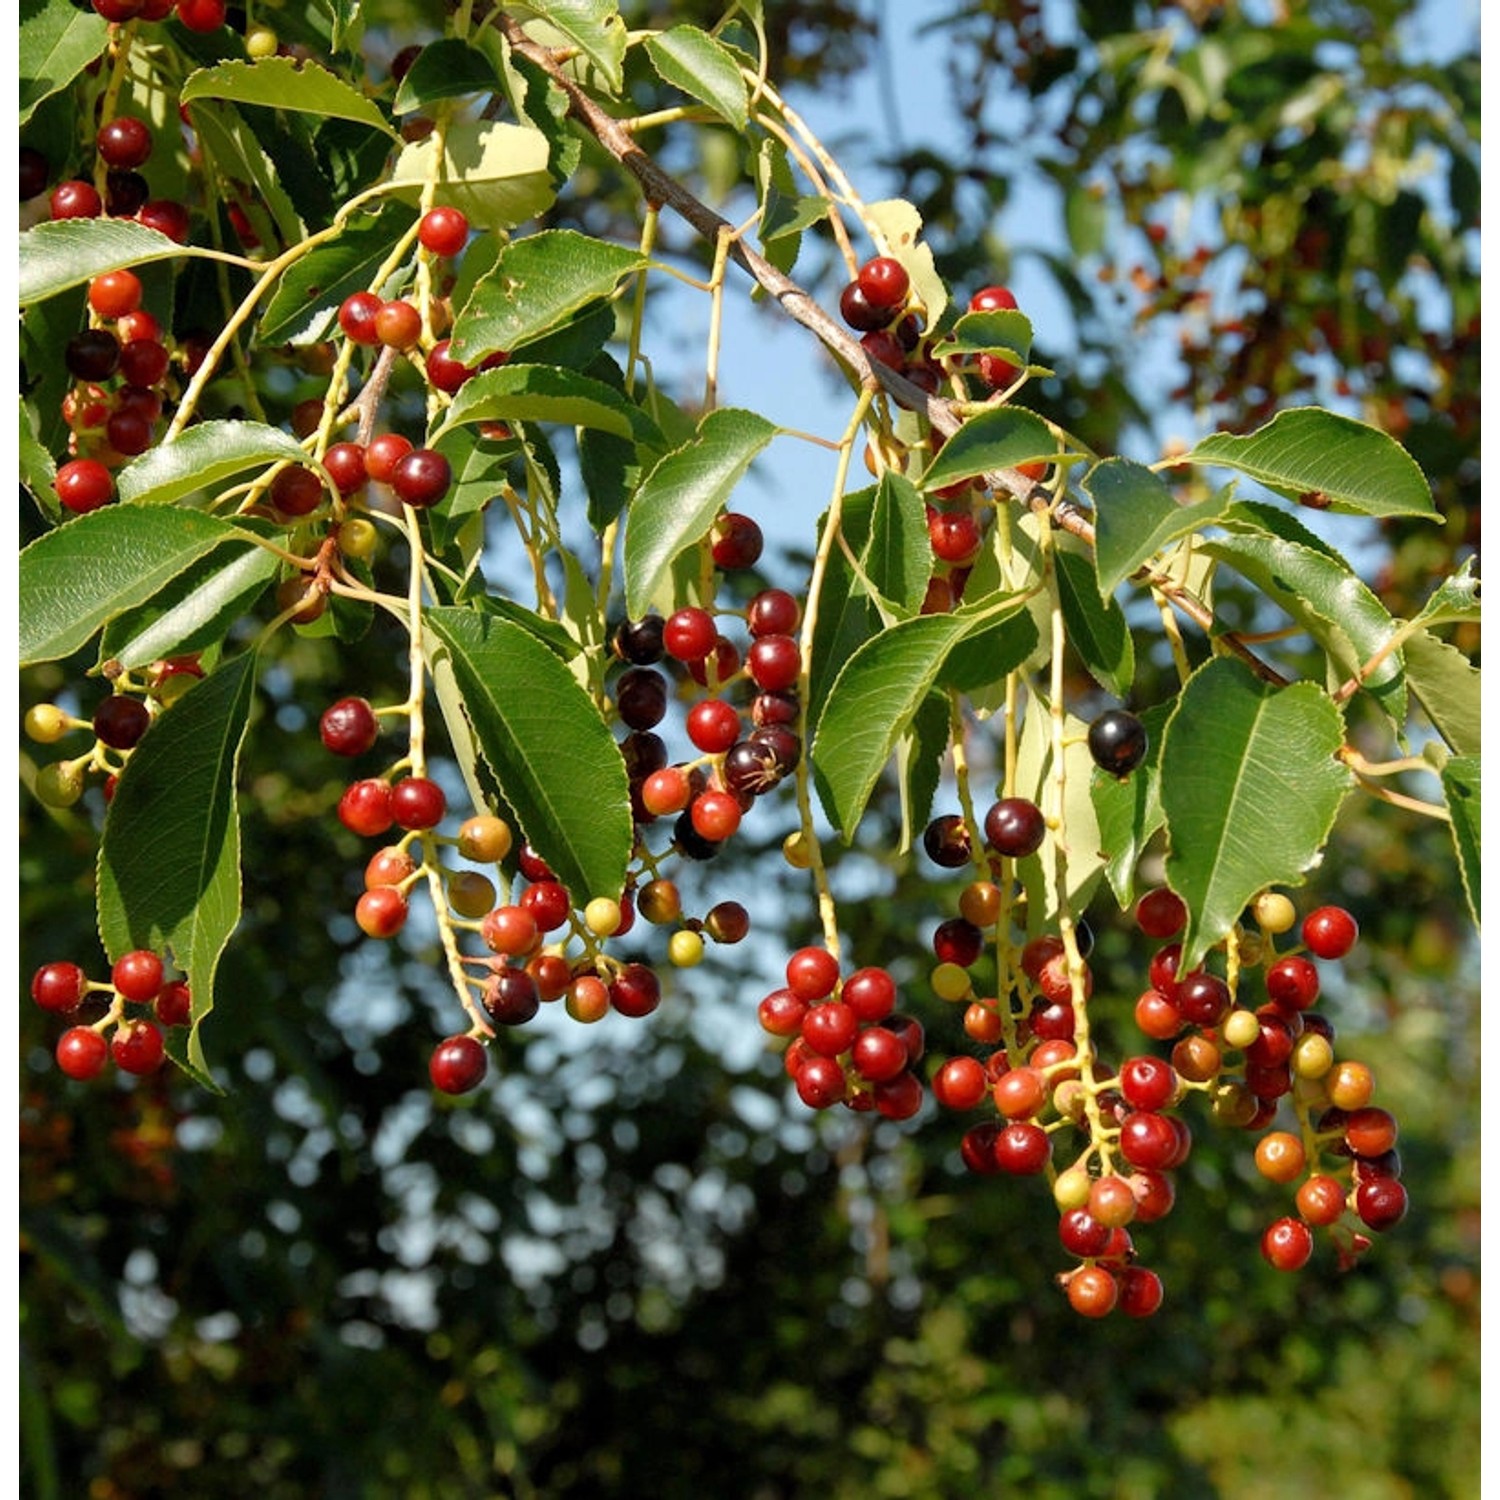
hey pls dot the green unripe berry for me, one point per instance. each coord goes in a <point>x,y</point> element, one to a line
<point>951,982</point>
<point>60,784</point>
<point>358,537</point>
<point>1072,1188</point>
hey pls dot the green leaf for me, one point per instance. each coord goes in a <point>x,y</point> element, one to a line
<point>593,26</point>
<point>874,699</point>
<point>1324,596</point>
<point>1083,864</point>
<point>1129,810</point>
<point>691,60</point>
<point>445,69</point>
<point>495,173</point>
<point>169,858</point>
<point>304,307</point>
<point>78,577</point>
<point>1461,791</point>
<point>847,616</point>
<point>1347,464</point>
<point>203,456</point>
<point>996,439</point>
<point>898,557</point>
<point>679,499</point>
<point>1250,785</point>
<point>1446,683</point>
<point>62,253</point>
<point>544,393</point>
<point>56,42</point>
<point>1004,331</point>
<point>551,633</point>
<point>1454,600</point>
<point>36,465</point>
<point>1096,628</point>
<point>919,765</point>
<point>979,664</point>
<point>195,610</point>
<point>285,83</point>
<point>238,153</point>
<point>1135,516</point>
<point>543,738</point>
<point>481,468</point>
<point>538,283</point>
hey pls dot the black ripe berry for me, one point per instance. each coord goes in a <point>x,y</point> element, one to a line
<point>1117,741</point>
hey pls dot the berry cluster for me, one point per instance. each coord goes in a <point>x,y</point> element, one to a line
<point>132,1042</point>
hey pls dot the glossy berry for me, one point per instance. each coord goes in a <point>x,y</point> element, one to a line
<point>59,987</point>
<point>1082,1234</point>
<point>33,174</point>
<point>137,1047</point>
<point>715,815</point>
<point>75,200</point>
<point>357,318</point>
<point>957,941</point>
<point>635,991</point>
<point>1329,932</point>
<point>120,721</point>
<point>992,299</point>
<point>1117,741</point>
<point>398,325</point>
<point>443,231</point>
<point>349,727</point>
<point>870,993</point>
<point>1140,1292</point>
<point>812,973</point>
<point>144,362</point>
<point>820,1082</point>
<point>829,1028</point>
<point>93,354</point>
<point>960,1083</point>
<point>1161,913</point>
<point>1147,1082</point>
<point>137,975</point>
<point>689,634</point>
<point>511,998</point>
<point>201,15</point>
<point>736,542</point>
<point>381,912</point>
<point>125,193</point>
<point>1202,999</point>
<point>772,612</point>
<point>1014,827</point>
<point>640,641</point>
<point>1287,1244</point>
<point>296,491</point>
<point>859,312</point>
<point>417,802</point>
<point>885,284</point>
<point>444,372</point>
<point>81,1053</point>
<point>713,725</point>
<point>114,294</point>
<point>1380,1202</point>
<point>345,463</point>
<point>166,216</point>
<point>84,484</point>
<point>124,142</point>
<point>774,662</point>
<point>421,478</point>
<point>458,1064</point>
<point>365,808</point>
<point>174,1006</point>
<point>1023,1149</point>
<point>1292,982</point>
<point>548,903</point>
<point>947,842</point>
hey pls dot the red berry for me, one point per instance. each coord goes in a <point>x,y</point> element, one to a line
<point>120,721</point>
<point>878,1055</point>
<point>166,216</point>
<point>736,542</point>
<point>174,1006</point>
<point>960,1083</point>
<point>349,727</point>
<point>137,1047</point>
<point>992,299</point>
<point>443,231</point>
<point>458,1064</point>
<point>1380,1202</point>
<point>1161,913</point>
<point>1202,999</point>
<point>830,1028</point>
<point>115,293</point>
<point>124,142</point>
<point>296,491</point>
<point>870,993</point>
<point>859,312</point>
<point>1292,982</point>
<point>83,485</point>
<point>511,930</point>
<point>144,362</point>
<point>421,478</point>
<point>713,725</point>
<point>1148,1140</point>
<point>957,941</point>
<point>781,1013</point>
<point>1082,1234</point>
<point>1023,1149</point>
<point>899,1098</point>
<point>774,662</point>
<point>201,15</point>
<point>1287,1244</point>
<point>357,317</point>
<point>137,975</point>
<point>635,991</point>
<point>772,612</point>
<point>1329,932</point>
<point>511,998</point>
<point>1147,1082</point>
<point>398,324</point>
<point>81,1052</point>
<point>820,1082</point>
<point>365,808</point>
<point>1140,1292</point>
<point>884,282</point>
<point>59,987</point>
<point>1014,827</point>
<point>689,634</point>
<point>443,371</point>
<point>549,903</point>
<point>417,802</point>
<point>1019,1093</point>
<point>381,912</point>
<point>1157,1017</point>
<point>812,973</point>
<point>75,200</point>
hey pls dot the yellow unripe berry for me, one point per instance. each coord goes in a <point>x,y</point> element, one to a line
<point>796,851</point>
<point>358,537</point>
<point>470,894</point>
<point>602,916</point>
<point>685,949</point>
<point>46,723</point>
<point>1240,1029</point>
<point>484,839</point>
<point>1312,1056</point>
<point>1350,1085</point>
<point>951,982</point>
<point>1273,912</point>
<point>261,41</point>
<point>1072,1188</point>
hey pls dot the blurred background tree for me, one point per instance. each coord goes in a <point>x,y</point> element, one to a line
<point>632,1266</point>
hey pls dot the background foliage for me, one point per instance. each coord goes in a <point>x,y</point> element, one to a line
<point>634,1267</point>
